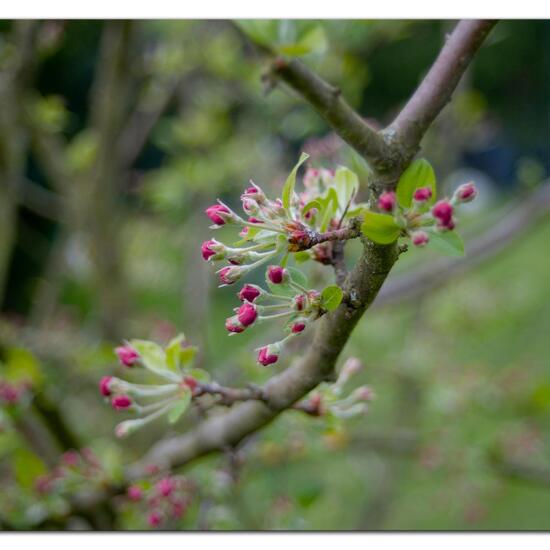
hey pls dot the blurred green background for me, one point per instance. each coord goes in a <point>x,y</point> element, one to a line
<point>114,138</point>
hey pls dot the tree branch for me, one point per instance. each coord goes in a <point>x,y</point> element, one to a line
<point>438,85</point>
<point>317,364</point>
<point>365,280</point>
<point>329,103</point>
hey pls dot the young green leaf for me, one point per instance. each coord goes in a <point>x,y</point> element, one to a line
<point>288,188</point>
<point>297,276</point>
<point>380,228</point>
<point>262,31</point>
<point>181,405</point>
<point>419,174</point>
<point>330,208</point>
<point>331,296</point>
<point>448,243</point>
<point>153,358</point>
<point>347,184</point>
<point>314,41</point>
<point>302,256</point>
<point>200,375</point>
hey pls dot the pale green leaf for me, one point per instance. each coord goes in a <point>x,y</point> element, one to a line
<point>181,405</point>
<point>448,243</point>
<point>346,184</point>
<point>331,296</point>
<point>152,357</point>
<point>330,208</point>
<point>288,188</point>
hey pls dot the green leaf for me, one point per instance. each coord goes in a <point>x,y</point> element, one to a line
<point>297,276</point>
<point>200,375</point>
<point>179,355</point>
<point>262,31</point>
<point>448,243</point>
<point>380,228</point>
<point>419,174</point>
<point>331,296</point>
<point>302,256</point>
<point>21,366</point>
<point>330,207</point>
<point>311,204</point>
<point>285,289</point>
<point>27,467</point>
<point>181,405</point>
<point>288,188</point>
<point>153,357</point>
<point>347,184</point>
<point>314,41</point>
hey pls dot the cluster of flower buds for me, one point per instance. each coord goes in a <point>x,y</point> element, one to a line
<point>269,229</point>
<point>162,499</point>
<point>330,400</point>
<point>421,218</point>
<point>298,307</point>
<point>74,470</point>
<point>151,401</point>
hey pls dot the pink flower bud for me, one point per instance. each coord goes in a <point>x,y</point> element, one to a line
<point>43,484</point>
<point>443,211</point>
<point>154,519</point>
<point>298,327</point>
<point>165,486</point>
<point>250,206</point>
<point>190,382</point>
<point>363,393</point>
<point>266,357</point>
<point>466,192</point>
<point>104,386</point>
<point>276,274</point>
<point>247,314</point>
<point>423,194</point>
<point>311,178</point>
<point>299,302</point>
<point>315,404</point>
<point>70,458</point>
<point>213,249</point>
<point>254,220</point>
<point>121,402</point>
<point>243,232</point>
<point>216,213</point>
<point>179,508</point>
<point>249,293</point>
<point>230,274</point>
<point>232,324</point>
<point>135,493</point>
<point>387,201</point>
<point>127,355</point>
<point>254,192</point>
<point>9,393</point>
<point>420,238</point>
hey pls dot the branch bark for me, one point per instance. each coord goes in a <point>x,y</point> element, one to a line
<point>438,85</point>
